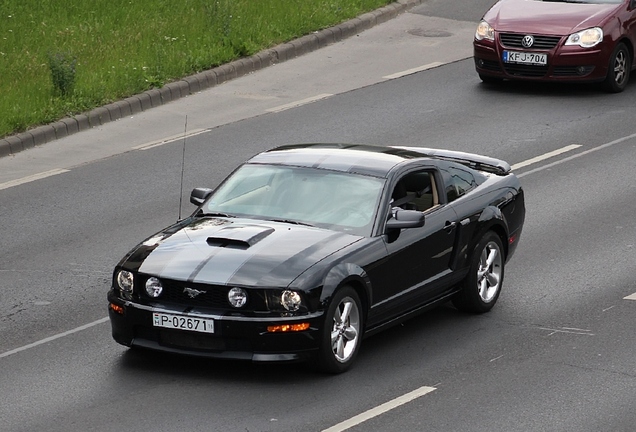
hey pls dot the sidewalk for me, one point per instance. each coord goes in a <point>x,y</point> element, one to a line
<point>385,44</point>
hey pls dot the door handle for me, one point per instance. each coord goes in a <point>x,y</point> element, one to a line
<point>449,226</point>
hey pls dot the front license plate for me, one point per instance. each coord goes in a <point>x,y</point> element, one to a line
<point>525,58</point>
<point>181,322</point>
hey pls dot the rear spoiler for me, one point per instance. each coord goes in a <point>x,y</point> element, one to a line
<point>478,162</point>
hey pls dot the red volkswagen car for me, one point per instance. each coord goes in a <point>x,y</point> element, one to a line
<point>558,40</point>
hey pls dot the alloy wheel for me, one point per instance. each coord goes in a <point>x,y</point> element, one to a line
<point>489,272</point>
<point>346,330</point>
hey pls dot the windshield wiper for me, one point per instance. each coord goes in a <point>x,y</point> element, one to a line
<point>293,222</point>
<point>201,213</point>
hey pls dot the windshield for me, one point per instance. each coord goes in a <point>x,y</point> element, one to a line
<point>327,199</point>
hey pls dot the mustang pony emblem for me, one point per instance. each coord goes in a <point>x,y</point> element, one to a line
<point>191,292</point>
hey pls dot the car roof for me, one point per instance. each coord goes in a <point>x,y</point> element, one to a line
<point>371,160</point>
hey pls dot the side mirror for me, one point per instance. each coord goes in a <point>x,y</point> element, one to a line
<point>199,195</point>
<point>405,219</point>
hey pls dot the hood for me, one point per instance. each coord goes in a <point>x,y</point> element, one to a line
<point>242,252</point>
<point>547,17</point>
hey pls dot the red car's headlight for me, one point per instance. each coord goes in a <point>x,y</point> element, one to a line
<point>484,31</point>
<point>586,38</point>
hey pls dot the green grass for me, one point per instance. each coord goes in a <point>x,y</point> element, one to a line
<point>63,57</point>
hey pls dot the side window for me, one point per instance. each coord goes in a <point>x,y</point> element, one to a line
<point>461,182</point>
<point>416,191</point>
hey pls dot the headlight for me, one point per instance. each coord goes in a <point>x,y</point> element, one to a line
<point>485,31</point>
<point>154,287</point>
<point>586,38</point>
<point>237,297</point>
<point>125,281</point>
<point>290,300</point>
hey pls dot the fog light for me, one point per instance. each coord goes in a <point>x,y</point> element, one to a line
<point>154,287</point>
<point>237,297</point>
<point>584,70</point>
<point>285,328</point>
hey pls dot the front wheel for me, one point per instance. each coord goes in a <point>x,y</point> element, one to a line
<point>482,286</point>
<point>619,68</point>
<point>342,333</point>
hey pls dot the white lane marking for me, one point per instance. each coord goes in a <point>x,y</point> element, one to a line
<point>545,156</point>
<point>173,138</point>
<point>568,330</point>
<point>31,178</point>
<point>578,155</point>
<point>413,70</point>
<point>381,409</point>
<point>299,102</point>
<point>52,338</point>
<point>630,297</point>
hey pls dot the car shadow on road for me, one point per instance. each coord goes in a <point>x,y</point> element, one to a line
<point>429,329</point>
<point>551,89</point>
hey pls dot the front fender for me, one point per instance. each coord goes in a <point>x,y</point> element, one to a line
<point>342,274</point>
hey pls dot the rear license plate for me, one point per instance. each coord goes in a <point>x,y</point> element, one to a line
<point>181,322</point>
<point>528,58</point>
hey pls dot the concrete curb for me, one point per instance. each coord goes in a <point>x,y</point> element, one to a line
<point>201,81</point>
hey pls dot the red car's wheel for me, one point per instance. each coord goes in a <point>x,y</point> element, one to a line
<point>619,68</point>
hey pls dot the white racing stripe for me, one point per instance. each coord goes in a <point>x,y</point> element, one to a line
<point>52,338</point>
<point>380,409</point>
<point>31,178</point>
<point>413,70</point>
<point>299,102</point>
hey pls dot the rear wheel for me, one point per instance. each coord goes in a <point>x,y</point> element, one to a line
<point>618,71</point>
<point>342,333</point>
<point>482,286</point>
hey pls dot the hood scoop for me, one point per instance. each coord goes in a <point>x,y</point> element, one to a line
<point>239,237</point>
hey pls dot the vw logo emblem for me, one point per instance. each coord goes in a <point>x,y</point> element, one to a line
<point>527,41</point>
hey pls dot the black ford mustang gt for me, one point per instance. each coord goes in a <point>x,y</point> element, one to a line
<point>305,249</point>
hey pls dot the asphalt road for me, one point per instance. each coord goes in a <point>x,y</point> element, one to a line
<point>556,354</point>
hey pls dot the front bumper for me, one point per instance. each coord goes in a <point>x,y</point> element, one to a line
<point>234,337</point>
<point>565,64</point>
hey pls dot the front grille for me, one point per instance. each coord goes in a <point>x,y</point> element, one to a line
<point>209,296</point>
<point>526,70</point>
<point>513,40</point>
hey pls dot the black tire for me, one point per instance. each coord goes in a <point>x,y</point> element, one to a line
<point>618,70</point>
<point>482,286</point>
<point>342,332</point>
